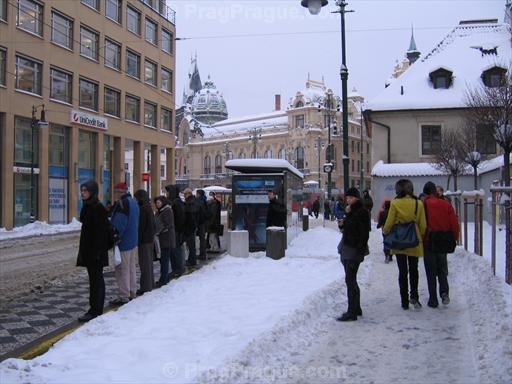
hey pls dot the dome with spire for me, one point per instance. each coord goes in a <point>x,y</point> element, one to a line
<point>208,105</point>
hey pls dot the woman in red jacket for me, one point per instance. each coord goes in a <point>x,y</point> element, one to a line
<point>440,217</point>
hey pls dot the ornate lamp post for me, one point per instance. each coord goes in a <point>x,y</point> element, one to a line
<point>255,137</point>
<point>314,7</point>
<point>42,123</point>
<point>473,159</point>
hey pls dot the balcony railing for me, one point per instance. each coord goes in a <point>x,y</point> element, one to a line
<point>161,7</point>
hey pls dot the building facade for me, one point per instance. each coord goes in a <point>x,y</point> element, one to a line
<point>299,134</point>
<point>103,72</point>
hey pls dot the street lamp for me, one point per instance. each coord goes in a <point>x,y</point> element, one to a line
<point>314,9</point>
<point>319,145</point>
<point>328,168</point>
<point>473,159</point>
<point>42,123</point>
<point>255,137</point>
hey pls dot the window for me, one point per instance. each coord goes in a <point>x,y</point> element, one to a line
<point>3,65</point>
<point>133,20</point>
<point>166,120</point>
<point>358,165</point>
<point>282,153</point>
<point>486,144</point>
<point>149,114</point>
<point>113,10</point>
<point>112,102</point>
<point>162,171</point>
<point>430,139</point>
<point>61,86</point>
<point>441,78</point>
<point>368,166</point>
<point>3,10</point>
<point>151,32</point>
<point>353,146</point>
<point>267,154</point>
<point>92,3</point>
<point>132,108</point>
<point>218,164</point>
<point>242,155</point>
<point>89,43</point>
<point>88,94</point>
<point>29,16</point>
<point>150,72</point>
<point>58,144</point>
<point>494,77</point>
<point>62,30</point>
<point>207,165</point>
<point>86,149</point>
<point>167,40</point>
<point>368,148</point>
<point>166,79</point>
<point>358,147</point>
<point>133,64</point>
<point>112,54</point>
<point>299,121</point>
<point>353,165</point>
<point>23,142</point>
<point>299,155</point>
<point>28,75</point>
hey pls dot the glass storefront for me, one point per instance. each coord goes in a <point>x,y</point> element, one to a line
<point>86,160</point>
<point>22,198</point>
<point>107,165</point>
<point>58,174</point>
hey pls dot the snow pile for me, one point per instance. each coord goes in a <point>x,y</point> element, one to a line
<point>190,325</point>
<point>39,228</point>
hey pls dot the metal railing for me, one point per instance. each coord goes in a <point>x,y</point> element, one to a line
<point>501,199</point>
<point>161,7</point>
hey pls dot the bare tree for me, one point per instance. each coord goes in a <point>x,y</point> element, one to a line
<point>468,147</point>
<point>491,109</point>
<point>448,157</point>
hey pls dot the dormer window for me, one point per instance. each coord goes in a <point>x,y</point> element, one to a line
<point>494,77</point>
<point>299,104</point>
<point>441,78</point>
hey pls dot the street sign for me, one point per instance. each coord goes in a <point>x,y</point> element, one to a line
<point>145,177</point>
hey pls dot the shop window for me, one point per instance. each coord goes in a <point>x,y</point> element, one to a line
<point>58,146</point>
<point>86,150</point>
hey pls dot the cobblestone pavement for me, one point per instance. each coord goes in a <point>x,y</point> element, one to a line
<point>32,316</point>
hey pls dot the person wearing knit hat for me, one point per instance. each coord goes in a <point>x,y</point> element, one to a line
<point>352,248</point>
<point>125,218</point>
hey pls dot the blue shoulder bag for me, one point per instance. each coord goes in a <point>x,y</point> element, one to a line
<point>403,235</point>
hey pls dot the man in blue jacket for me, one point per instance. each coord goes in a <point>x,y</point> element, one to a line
<point>125,218</point>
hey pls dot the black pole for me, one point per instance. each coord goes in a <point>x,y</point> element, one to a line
<point>32,181</point>
<point>329,174</point>
<point>344,80</point>
<point>361,186</point>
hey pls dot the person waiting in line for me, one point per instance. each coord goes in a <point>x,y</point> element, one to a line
<point>316,207</point>
<point>403,209</point>
<point>276,212</point>
<point>214,224</point>
<point>125,218</point>
<point>178,209</point>
<point>203,216</point>
<point>147,231</point>
<point>190,227</point>
<point>367,200</point>
<point>93,247</point>
<point>167,237</point>
<point>327,209</point>
<point>353,247</point>
<point>440,217</point>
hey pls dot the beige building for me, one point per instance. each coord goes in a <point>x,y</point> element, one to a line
<point>103,73</point>
<point>298,134</point>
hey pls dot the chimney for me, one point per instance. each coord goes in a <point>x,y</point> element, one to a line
<point>278,102</point>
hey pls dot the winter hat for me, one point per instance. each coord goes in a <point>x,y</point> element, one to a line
<point>354,192</point>
<point>91,186</point>
<point>121,187</point>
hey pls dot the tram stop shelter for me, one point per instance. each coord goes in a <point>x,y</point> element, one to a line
<point>253,179</point>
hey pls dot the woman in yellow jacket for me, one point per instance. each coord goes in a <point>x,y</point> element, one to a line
<point>403,210</point>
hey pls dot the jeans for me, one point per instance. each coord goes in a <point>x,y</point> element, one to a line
<point>353,292</point>
<point>407,265</point>
<point>96,289</point>
<point>436,268</point>
<point>165,257</point>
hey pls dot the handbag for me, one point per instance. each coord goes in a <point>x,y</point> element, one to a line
<point>403,235</point>
<point>156,249</point>
<point>442,242</point>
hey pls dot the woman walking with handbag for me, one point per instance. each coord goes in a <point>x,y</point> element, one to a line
<point>353,247</point>
<point>406,212</point>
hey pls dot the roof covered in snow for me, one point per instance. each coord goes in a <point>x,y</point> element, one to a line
<point>262,166</point>
<point>245,124</point>
<point>380,169</point>
<point>465,52</point>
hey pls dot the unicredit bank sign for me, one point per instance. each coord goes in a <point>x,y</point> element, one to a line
<point>93,121</point>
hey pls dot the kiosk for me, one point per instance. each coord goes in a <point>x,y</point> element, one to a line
<point>250,189</point>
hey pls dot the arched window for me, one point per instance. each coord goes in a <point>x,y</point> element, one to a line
<point>185,136</point>
<point>218,164</point>
<point>268,154</point>
<point>299,155</point>
<point>242,155</point>
<point>207,165</point>
<point>299,104</point>
<point>282,153</point>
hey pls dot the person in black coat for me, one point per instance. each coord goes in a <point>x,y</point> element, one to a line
<point>190,226</point>
<point>353,247</point>
<point>93,248</point>
<point>316,207</point>
<point>202,222</point>
<point>367,200</point>
<point>214,222</point>
<point>276,213</point>
<point>147,231</point>
<point>165,230</point>
<point>178,210</point>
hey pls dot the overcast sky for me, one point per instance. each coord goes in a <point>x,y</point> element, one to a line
<point>256,49</point>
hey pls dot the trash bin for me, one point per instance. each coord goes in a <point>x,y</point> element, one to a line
<point>276,242</point>
<point>305,222</point>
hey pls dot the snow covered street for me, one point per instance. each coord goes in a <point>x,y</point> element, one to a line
<point>261,320</point>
